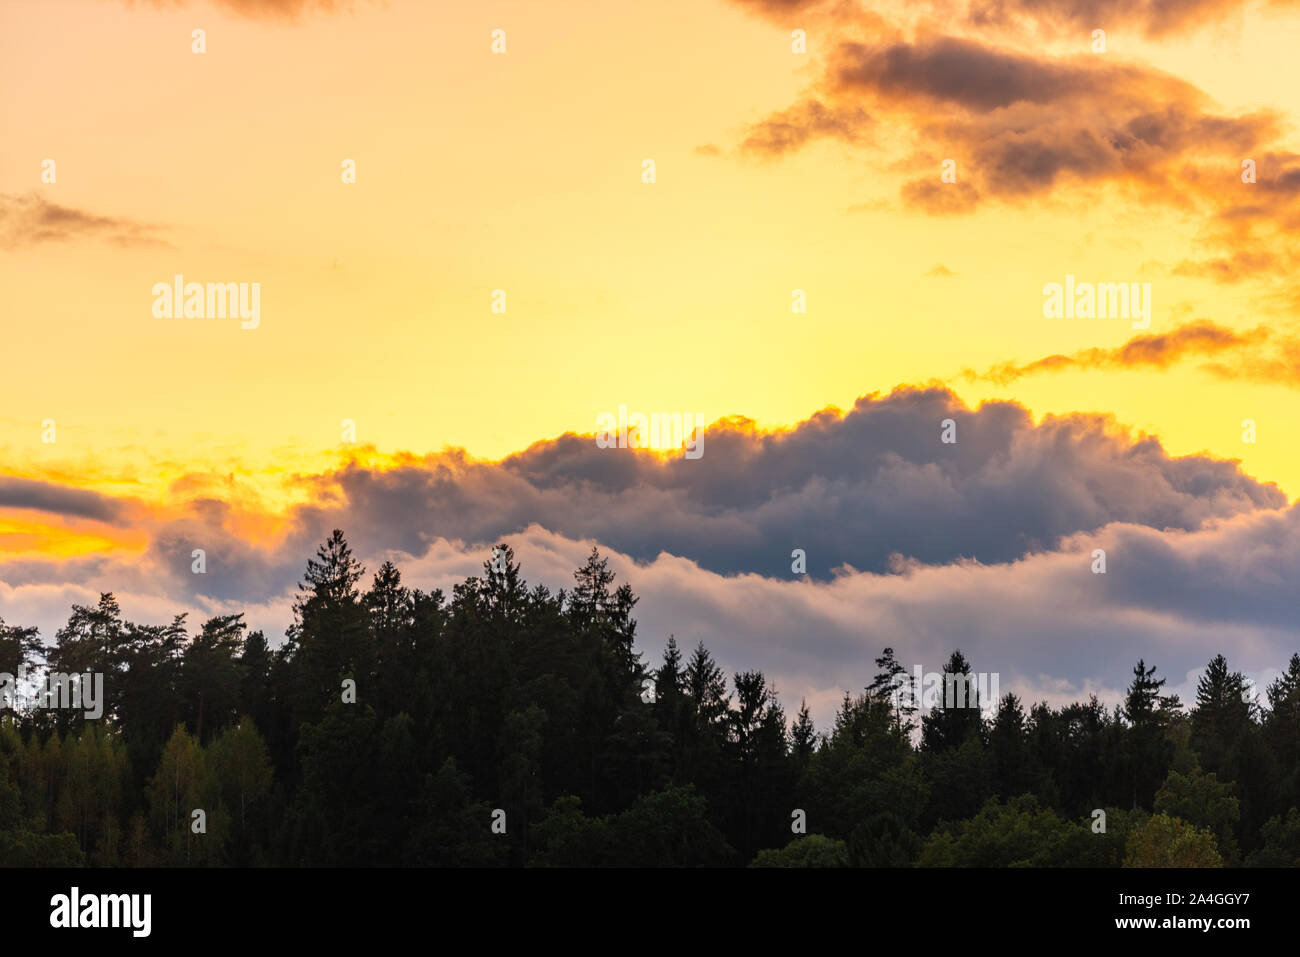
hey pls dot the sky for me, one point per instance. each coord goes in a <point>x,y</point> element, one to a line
<point>854,215</point>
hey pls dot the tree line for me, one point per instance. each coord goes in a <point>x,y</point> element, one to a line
<point>507,725</point>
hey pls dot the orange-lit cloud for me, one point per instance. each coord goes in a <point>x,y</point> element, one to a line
<point>1258,355</point>
<point>1153,18</point>
<point>31,219</point>
<point>991,123</point>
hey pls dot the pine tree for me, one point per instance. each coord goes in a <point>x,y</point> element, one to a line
<point>331,578</point>
<point>956,718</point>
<point>892,685</point>
<point>803,736</point>
<point>329,639</point>
<point>1147,752</point>
<point>19,648</point>
<point>1222,715</point>
<point>669,678</point>
<point>93,641</point>
<point>707,688</point>
<point>211,675</point>
<point>1282,725</point>
<point>591,595</point>
<point>1009,747</point>
<point>1143,696</point>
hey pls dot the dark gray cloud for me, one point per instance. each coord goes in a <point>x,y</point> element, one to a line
<point>235,569</point>
<point>1242,575</point>
<point>873,489</point>
<point>958,71</point>
<point>858,490</point>
<point>59,499</point>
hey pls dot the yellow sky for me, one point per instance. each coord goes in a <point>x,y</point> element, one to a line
<point>522,172</point>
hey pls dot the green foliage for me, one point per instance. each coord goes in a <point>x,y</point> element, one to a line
<point>181,785</point>
<point>1165,841</point>
<point>568,838</point>
<point>812,850</point>
<point>1281,846</point>
<point>669,828</point>
<point>1018,833</point>
<point>666,828</point>
<point>1202,801</point>
<point>1089,848</point>
<point>450,826</point>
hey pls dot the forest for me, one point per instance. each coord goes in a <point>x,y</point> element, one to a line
<point>507,725</point>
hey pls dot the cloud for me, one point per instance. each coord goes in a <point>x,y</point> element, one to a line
<point>788,130</point>
<point>1020,125</point>
<point>957,71</point>
<point>872,489</point>
<point>60,500</point>
<point>1229,269</point>
<point>1157,351</point>
<point>940,199</point>
<point>940,80</point>
<point>1257,355</point>
<point>939,271</point>
<point>851,489</point>
<point>1278,364</point>
<point>984,545</point>
<point>30,220</point>
<point>780,6</point>
<point>1153,18</point>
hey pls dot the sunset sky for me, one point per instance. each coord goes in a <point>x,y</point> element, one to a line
<point>775,171</point>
